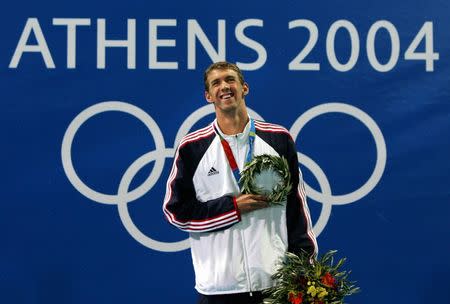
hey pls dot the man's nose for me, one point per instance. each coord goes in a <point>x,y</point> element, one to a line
<point>224,86</point>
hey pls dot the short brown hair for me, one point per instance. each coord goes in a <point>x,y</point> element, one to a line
<point>222,65</point>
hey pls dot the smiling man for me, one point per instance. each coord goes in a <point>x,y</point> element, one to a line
<point>237,240</point>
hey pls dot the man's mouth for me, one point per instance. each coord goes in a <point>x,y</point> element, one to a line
<point>226,96</point>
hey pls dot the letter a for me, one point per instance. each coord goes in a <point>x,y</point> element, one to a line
<point>32,25</point>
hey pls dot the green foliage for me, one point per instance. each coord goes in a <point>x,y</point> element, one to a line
<point>265,162</point>
<point>314,281</point>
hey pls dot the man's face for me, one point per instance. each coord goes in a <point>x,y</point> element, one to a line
<point>225,90</point>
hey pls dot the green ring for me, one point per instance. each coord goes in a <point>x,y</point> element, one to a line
<point>265,162</point>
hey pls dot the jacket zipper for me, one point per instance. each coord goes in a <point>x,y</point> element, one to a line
<point>247,270</point>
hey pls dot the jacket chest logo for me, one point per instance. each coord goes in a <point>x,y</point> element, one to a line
<point>212,171</point>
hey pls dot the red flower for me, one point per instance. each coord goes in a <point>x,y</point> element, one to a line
<point>328,280</point>
<point>295,298</point>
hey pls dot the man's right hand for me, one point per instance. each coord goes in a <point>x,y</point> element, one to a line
<point>250,202</point>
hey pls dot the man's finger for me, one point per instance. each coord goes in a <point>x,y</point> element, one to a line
<point>258,197</point>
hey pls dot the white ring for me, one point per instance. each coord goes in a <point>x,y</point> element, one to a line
<point>324,184</point>
<point>379,142</point>
<point>122,207</point>
<point>66,151</point>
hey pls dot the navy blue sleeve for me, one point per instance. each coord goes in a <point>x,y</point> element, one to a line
<point>300,234</point>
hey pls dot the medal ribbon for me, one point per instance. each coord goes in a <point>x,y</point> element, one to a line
<point>227,149</point>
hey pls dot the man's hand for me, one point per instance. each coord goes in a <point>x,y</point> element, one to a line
<point>250,202</point>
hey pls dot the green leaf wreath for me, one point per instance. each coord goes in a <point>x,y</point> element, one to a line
<point>300,280</point>
<point>267,162</point>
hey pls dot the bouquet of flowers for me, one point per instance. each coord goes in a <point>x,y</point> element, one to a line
<point>303,281</point>
<point>267,175</point>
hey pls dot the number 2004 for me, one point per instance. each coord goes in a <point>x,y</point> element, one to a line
<point>411,53</point>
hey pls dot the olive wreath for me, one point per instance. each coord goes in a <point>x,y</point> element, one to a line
<point>265,162</point>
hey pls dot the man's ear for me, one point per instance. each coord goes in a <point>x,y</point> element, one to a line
<point>245,89</point>
<point>208,97</point>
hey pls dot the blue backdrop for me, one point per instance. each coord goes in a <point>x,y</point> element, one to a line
<point>96,95</point>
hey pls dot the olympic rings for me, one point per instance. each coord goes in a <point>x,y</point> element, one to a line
<point>123,196</point>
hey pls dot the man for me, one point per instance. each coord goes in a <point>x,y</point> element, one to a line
<point>237,240</point>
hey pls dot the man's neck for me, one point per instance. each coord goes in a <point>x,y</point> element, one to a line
<point>232,123</point>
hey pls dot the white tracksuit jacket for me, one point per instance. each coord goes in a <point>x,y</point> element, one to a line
<point>231,252</point>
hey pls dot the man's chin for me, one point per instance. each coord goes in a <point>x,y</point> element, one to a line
<point>227,108</point>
